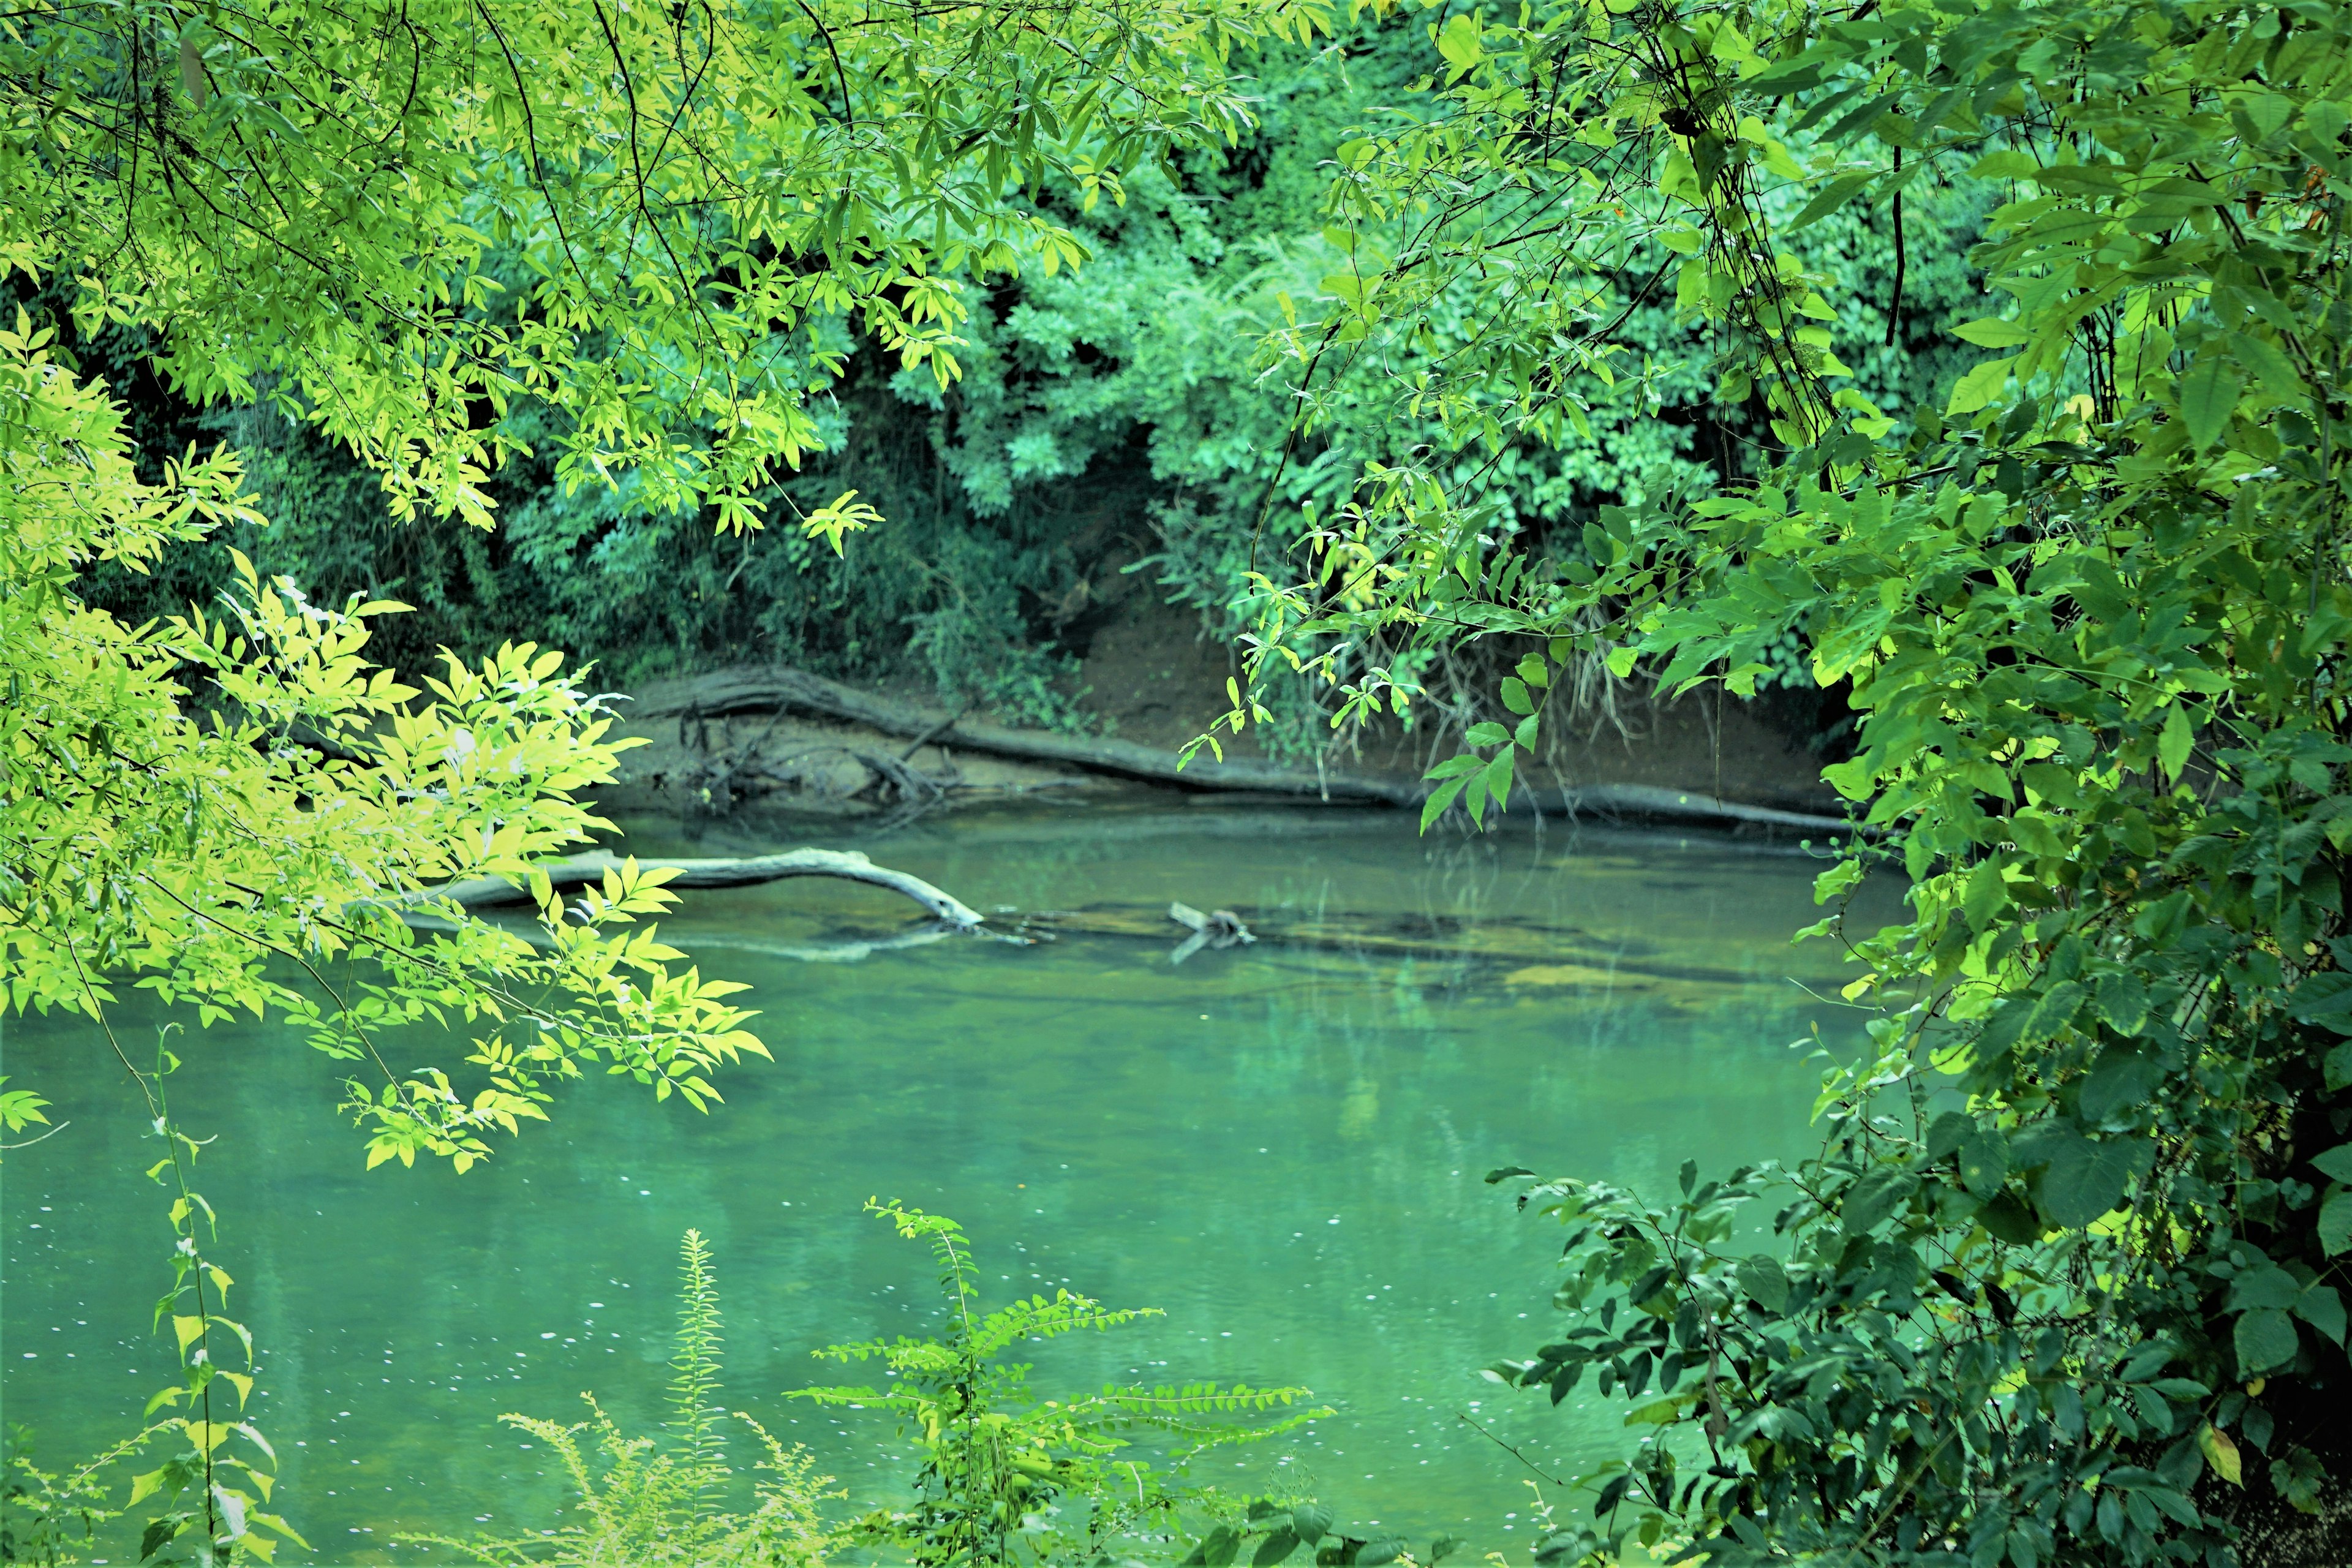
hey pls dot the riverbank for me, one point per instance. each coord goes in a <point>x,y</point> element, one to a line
<point>775,735</point>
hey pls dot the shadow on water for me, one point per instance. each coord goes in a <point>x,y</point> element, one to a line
<point>1282,1146</point>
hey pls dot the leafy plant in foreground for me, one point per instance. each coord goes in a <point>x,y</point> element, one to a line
<point>1282,1527</point>
<point>2065,1281</point>
<point>187,803</point>
<point>1007,1478</point>
<point>661,1500</point>
<point>214,1491</point>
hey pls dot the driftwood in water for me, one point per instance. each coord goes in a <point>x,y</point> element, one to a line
<point>1655,801</point>
<point>1546,954</point>
<point>580,869</point>
<point>775,689</point>
<point>1221,928</point>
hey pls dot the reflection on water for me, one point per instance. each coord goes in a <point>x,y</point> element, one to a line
<point>1281,1145</point>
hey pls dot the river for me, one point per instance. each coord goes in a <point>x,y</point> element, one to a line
<point>1281,1146</point>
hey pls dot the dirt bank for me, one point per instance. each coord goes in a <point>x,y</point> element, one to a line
<point>777,735</point>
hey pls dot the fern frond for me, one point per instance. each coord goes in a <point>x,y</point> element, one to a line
<point>1205,1397</point>
<point>901,1355</point>
<point>565,1440</point>
<point>1241,1436</point>
<point>878,1400</point>
<point>693,1424</point>
<point>1038,1317</point>
<point>526,1552</point>
<point>948,1244</point>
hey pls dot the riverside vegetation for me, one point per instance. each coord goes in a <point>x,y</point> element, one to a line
<point>1004,1477</point>
<point>2064,1282</point>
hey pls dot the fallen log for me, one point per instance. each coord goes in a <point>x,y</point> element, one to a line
<point>578,870</point>
<point>773,690</point>
<point>1656,801</point>
<point>767,690</point>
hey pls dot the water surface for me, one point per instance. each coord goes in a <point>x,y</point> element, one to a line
<point>1281,1146</point>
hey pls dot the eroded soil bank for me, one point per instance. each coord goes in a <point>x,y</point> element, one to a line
<point>773,735</point>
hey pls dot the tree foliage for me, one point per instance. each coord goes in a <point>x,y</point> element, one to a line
<point>2064,1283</point>
<point>392,222</point>
<point>294,818</point>
<point>1108,440</point>
<point>442,239</point>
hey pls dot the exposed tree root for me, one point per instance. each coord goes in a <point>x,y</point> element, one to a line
<point>765,690</point>
<point>775,689</point>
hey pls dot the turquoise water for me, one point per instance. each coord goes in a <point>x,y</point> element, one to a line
<point>1281,1146</point>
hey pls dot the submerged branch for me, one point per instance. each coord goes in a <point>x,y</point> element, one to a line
<point>577,871</point>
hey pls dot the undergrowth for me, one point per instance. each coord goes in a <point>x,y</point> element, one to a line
<point>648,1501</point>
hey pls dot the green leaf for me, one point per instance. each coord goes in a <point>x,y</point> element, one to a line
<point>2264,1285</point>
<point>1458,41</point>
<point>1217,1549</point>
<point>2264,1340</point>
<point>2051,1011</point>
<point>1279,1543</point>
<point>2173,745</point>
<point>2087,1176</point>
<point>2122,1079</point>
<point>2336,1223</point>
<point>2271,368</point>
<point>1948,1132</point>
<point>1657,1413</point>
<point>158,1533</point>
<point>1831,196</point>
<point>1311,1521</point>
<point>1514,695</point>
<point>2336,1162</point>
<point>1440,798</point>
<point>2297,1476</point>
<point>1766,1282</point>
<point>2323,1309</point>
<point>2209,395</point>
<point>1875,1196</point>
<point>2339,1067</point>
<point>1985,895</point>
<point>1498,778</point>
<point>1984,1161</point>
<point>2324,999</point>
<point>1977,388</point>
<point>2005,1218</point>
<point>1992,332</point>
<point>2219,1452</point>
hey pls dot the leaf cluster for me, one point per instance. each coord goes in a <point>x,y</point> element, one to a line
<point>1007,1477</point>
<point>2074,1241</point>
